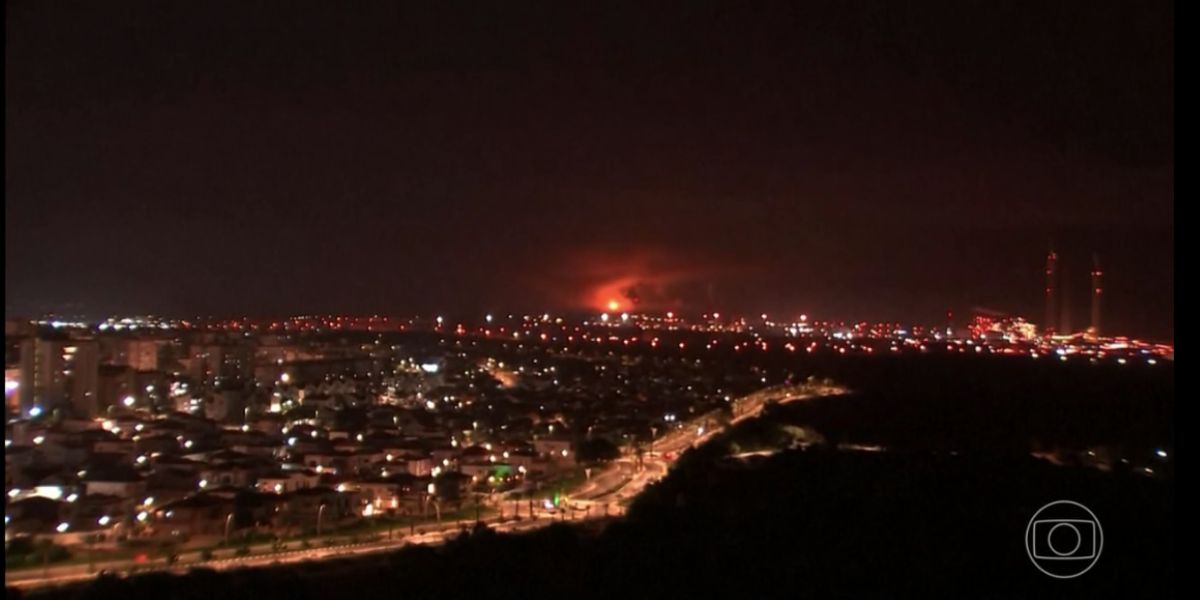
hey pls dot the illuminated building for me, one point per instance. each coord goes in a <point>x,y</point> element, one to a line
<point>116,383</point>
<point>230,361</point>
<point>60,372</point>
<point>140,354</point>
<point>12,389</point>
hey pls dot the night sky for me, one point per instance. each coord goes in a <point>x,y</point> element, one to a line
<point>851,160</point>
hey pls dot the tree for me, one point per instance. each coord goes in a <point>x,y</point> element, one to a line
<point>596,450</point>
<point>49,552</point>
<point>724,416</point>
<point>169,550</point>
<point>19,546</point>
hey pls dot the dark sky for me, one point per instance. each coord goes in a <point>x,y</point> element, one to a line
<point>844,159</point>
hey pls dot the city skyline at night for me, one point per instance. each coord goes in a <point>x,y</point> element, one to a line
<point>865,162</point>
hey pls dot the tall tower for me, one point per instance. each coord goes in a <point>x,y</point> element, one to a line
<point>1097,290</point>
<point>1051,292</point>
<point>1064,303</point>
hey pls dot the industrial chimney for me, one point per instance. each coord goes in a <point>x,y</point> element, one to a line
<point>1097,290</point>
<point>1051,292</point>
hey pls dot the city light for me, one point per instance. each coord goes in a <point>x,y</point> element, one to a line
<point>53,492</point>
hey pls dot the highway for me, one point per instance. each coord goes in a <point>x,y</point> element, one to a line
<point>626,478</point>
<point>62,574</point>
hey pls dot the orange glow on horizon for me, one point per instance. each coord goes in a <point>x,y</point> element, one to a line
<point>642,280</point>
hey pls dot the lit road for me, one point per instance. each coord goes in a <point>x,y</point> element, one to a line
<point>624,480</point>
<point>63,574</point>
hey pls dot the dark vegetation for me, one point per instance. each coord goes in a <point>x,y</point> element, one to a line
<point>596,451</point>
<point>993,404</point>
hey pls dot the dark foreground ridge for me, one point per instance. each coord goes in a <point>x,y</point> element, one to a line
<point>801,524</point>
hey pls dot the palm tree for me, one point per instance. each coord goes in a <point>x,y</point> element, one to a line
<point>44,547</point>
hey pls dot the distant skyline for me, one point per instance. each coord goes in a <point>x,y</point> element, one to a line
<point>844,160</point>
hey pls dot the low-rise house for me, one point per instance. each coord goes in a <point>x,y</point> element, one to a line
<point>446,452</point>
<point>419,466</point>
<point>33,515</point>
<point>118,480</point>
<point>314,506</point>
<point>156,442</point>
<point>199,514</point>
<point>526,458</point>
<point>340,461</point>
<point>554,449</point>
<point>116,447</point>
<point>386,493</point>
<point>284,482</point>
<point>228,474</point>
<point>69,452</point>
